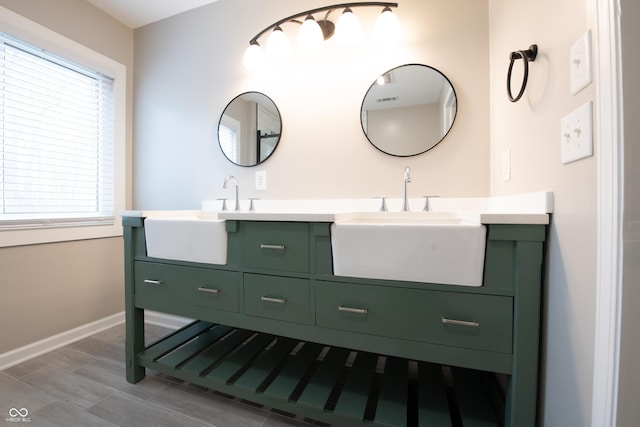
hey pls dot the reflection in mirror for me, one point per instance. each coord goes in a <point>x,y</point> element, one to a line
<point>249,129</point>
<point>408,110</point>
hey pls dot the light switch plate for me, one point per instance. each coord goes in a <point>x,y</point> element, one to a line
<point>580,63</point>
<point>261,180</point>
<point>576,134</point>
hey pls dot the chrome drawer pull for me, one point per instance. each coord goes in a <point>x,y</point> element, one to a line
<point>353,310</point>
<point>153,282</point>
<point>460,322</point>
<point>209,290</point>
<point>279,247</point>
<point>276,300</point>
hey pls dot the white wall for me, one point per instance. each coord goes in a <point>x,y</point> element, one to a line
<point>530,129</point>
<point>188,67</point>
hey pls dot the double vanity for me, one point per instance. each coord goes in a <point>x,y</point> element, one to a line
<point>340,313</point>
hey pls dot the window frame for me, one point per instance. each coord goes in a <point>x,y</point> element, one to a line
<point>24,29</point>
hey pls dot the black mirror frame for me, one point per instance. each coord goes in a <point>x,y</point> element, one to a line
<point>432,146</point>
<point>258,143</point>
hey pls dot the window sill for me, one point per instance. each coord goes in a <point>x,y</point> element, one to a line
<point>57,232</point>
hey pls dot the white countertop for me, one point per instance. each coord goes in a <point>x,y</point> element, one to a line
<point>483,218</point>
<point>529,208</point>
<point>160,213</point>
<point>279,216</point>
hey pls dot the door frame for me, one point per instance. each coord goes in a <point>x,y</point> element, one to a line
<point>610,182</point>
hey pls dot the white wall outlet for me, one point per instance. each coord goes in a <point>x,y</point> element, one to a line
<point>576,134</point>
<point>506,165</point>
<point>580,63</point>
<point>261,180</point>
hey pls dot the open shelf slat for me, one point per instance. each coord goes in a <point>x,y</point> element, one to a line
<point>354,397</point>
<point>392,403</point>
<point>233,364</point>
<point>317,392</point>
<point>265,365</point>
<point>201,363</point>
<point>175,340</point>
<point>287,381</point>
<point>330,384</point>
<point>196,345</point>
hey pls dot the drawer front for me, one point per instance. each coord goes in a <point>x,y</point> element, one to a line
<point>482,322</point>
<point>280,246</point>
<point>280,298</point>
<point>191,285</point>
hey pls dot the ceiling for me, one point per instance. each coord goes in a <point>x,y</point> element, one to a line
<point>136,13</point>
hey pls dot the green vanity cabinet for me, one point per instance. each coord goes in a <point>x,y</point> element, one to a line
<point>276,327</point>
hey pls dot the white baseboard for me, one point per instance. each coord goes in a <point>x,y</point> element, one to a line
<point>54,342</point>
<point>46,345</point>
<point>165,320</point>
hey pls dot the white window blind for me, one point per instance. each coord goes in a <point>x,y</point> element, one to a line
<point>56,139</point>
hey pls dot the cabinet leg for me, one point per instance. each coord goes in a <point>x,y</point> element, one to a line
<point>134,344</point>
<point>522,391</point>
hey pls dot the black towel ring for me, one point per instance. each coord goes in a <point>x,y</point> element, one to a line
<point>527,56</point>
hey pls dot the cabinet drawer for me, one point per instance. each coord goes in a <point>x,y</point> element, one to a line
<point>276,246</point>
<point>280,298</point>
<point>192,285</point>
<point>482,322</point>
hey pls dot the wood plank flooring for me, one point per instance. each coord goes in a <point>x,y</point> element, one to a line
<point>83,384</point>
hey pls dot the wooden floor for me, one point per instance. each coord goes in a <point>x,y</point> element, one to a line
<point>83,384</point>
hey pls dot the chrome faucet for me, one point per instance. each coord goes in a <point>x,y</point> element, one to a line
<point>407,179</point>
<point>235,181</point>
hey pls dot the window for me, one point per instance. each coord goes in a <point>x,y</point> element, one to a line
<point>61,137</point>
<point>56,138</point>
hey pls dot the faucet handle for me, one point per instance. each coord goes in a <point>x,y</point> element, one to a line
<point>224,203</point>
<point>383,207</point>
<point>251,207</point>
<point>426,203</point>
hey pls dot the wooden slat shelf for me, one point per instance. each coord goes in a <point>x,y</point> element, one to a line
<point>328,384</point>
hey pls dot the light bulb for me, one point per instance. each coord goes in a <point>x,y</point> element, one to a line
<point>278,45</point>
<point>253,57</point>
<point>310,35</point>
<point>387,28</point>
<point>348,29</point>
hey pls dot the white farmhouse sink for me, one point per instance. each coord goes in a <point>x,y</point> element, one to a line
<point>434,247</point>
<point>419,217</point>
<point>196,238</point>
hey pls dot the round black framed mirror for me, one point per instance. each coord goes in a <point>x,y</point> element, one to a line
<point>408,110</point>
<point>249,129</point>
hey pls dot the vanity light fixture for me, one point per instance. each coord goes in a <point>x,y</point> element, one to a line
<point>314,31</point>
<point>310,35</point>
<point>386,29</point>
<point>278,45</point>
<point>348,28</point>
